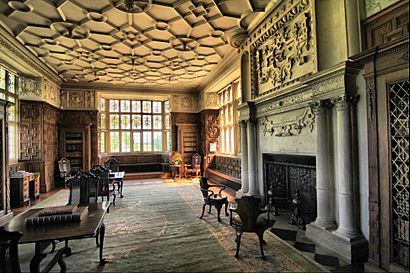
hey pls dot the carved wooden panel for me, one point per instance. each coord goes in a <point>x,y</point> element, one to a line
<point>209,132</point>
<point>227,165</point>
<point>31,131</point>
<point>180,118</point>
<point>50,132</point>
<point>387,26</point>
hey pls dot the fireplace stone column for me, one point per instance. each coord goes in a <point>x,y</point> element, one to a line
<point>325,216</point>
<point>244,158</point>
<point>251,158</point>
<point>347,227</point>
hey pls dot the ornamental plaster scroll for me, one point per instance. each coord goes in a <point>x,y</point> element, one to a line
<point>289,128</point>
<point>186,103</point>
<point>78,99</point>
<point>285,52</point>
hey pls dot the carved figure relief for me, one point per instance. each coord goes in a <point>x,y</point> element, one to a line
<point>78,99</point>
<point>51,92</point>
<point>281,53</point>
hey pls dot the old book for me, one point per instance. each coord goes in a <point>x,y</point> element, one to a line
<point>58,215</point>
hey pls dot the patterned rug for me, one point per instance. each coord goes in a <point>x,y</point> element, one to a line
<point>155,227</point>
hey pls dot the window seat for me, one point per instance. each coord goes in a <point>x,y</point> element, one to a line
<point>141,163</point>
<point>224,179</point>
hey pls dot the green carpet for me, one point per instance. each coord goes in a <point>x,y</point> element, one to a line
<point>155,227</point>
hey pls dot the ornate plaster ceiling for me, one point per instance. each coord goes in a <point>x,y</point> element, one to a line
<point>163,43</point>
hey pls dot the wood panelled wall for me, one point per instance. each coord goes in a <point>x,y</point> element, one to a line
<point>38,141</point>
<point>180,118</point>
<point>209,126</point>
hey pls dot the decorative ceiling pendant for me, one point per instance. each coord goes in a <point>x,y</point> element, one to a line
<point>133,6</point>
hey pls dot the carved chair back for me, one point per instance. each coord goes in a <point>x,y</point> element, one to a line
<point>9,257</point>
<point>203,182</point>
<point>196,161</point>
<point>113,165</point>
<point>104,179</point>
<point>248,210</point>
<point>83,188</point>
<point>64,167</point>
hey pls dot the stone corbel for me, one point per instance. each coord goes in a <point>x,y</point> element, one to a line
<point>344,101</point>
<point>289,128</point>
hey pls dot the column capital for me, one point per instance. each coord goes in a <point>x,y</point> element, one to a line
<point>343,102</point>
<point>242,123</point>
<point>320,106</point>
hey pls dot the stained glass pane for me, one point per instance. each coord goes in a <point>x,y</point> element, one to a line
<point>136,121</point>
<point>11,84</point>
<point>125,122</point>
<point>125,106</point>
<point>167,126</point>
<point>2,78</point>
<point>166,106</point>
<point>2,96</point>
<point>136,106</point>
<point>114,105</point>
<point>136,139</point>
<point>157,141</point>
<point>102,121</point>
<point>125,142</point>
<point>147,141</point>
<point>157,122</point>
<point>114,142</point>
<point>114,122</point>
<point>147,122</point>
<point>146,106</point>
<point>12,113</point>
<point>102,142</point>
<point>156,107</point>
<point>102,104</point>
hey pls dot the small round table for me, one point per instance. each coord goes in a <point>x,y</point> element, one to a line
<point>218,201</point>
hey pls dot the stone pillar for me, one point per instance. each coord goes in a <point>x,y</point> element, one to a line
<point>252,158</point>
<point>325,216</point>
<point>347,227</point>
<point>245,77</point>
<point>244,158</point>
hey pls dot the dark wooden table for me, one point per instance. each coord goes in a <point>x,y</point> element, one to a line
<point>118,178</point>
<point>44,235</point>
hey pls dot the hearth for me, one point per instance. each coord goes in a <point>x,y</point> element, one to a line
<point>287,174</point>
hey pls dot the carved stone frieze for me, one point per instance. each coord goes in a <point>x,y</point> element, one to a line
<point>78,99</point>
<point>184,103</point>
<point>289,128</point>
<point>50,92</point>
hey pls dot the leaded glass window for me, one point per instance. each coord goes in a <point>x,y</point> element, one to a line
<point>399,124</point>
<point>134,126</point>
<point>229,131</point>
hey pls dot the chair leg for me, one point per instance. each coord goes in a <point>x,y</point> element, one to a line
<point>226,209</point>
<point>203,210</point>
<point>261,243</point>
<point>238,241</point>
<point>210,207</point>
<point>96,238</point>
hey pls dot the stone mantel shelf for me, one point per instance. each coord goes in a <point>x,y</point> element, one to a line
<point>327,84</point>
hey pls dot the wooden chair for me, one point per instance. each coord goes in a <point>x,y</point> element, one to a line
<point>65,169</point>
<point>9,257</point>
<point>112,164</point>
<point>104,184</point>
<point>195,167</point>
<point>213,199</point>
<point>250,218</point>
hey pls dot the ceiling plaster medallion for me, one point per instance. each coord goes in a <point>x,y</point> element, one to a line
<point>43,53</point>
<point>70,30</point>
<point>157,52</point>
<point>133,6</point>
<point>96,17</point>
<point>105,47</point>
<point>183,43</point>
<point>19,6</point>
<point>161,26</point>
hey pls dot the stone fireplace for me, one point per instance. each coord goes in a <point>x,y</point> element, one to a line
<point>286,174</point>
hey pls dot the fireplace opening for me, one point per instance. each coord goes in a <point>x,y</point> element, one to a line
<point>287,174</point>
